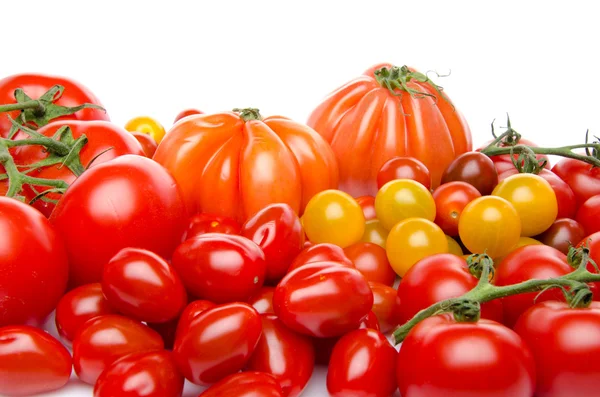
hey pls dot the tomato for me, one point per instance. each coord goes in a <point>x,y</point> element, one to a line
<point>78,306</point>
<point>583,178</point>
<point>166,331</point>
<point>454,247</point>
<point>130,201</point>
<point>375,233</point>
<point>504,162</point>
<point>185,113</point>
<point>245,384</point>
<point>36,85</point>
<point>367,203</point>
<point>489,224</point>
<point>562,234</point>
<point>31,361</point>
<point>386,306</point>
<point>191,311</point>
<point>403,168</point>
<point>148,374</point>
<point>371,260</point>
<point>208,223</point>
<point>442,357</point>
<point>247,164</point>
<point>320,253</point>
<point>147,142</point>
<point>143,286</point>
<point>146,125</point>
<point>450,200</point>
<point>412,240</point>
<point>339,298</point>
<point>592,242</point>
<point>33,265</point>
<point>262,301</point>
<point>437,278</point>
<point>234,328</point>
<point>475,169</point>
<point>565,343</point>
<point>401,199</point>
<point>588,215</point>
<point>104,339</point>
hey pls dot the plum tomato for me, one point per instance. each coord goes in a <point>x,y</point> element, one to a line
<point>401,199</point>
<point>367,203</point>
<point>147,142</point>
<point>386,306</point>
<point>321,253</point>
<point>588,215</point>
<point>562,234</point>
<point>474,168</point>
<point>245,384</point>
<point>404,168</point>
<point>146,125</point>
<point>450,200</point>
<point>583,178</point>
<point>375,233</point>
<point>191,311</point>
<point>371,260</point>
<point>262,301</point>
<point>208,223</point>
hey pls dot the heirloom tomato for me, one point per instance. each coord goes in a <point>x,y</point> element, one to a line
<point>583,178</point>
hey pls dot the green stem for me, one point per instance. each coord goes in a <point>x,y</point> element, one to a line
<point>32,104</point>
<point>53,145</point>
<point>248,114</point>
<point>564,151</point>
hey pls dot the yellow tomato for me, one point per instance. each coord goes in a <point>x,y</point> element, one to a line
<point>454,247</point>
<point>401,199</point>
<point>146,125</point>
<point>375,233</point>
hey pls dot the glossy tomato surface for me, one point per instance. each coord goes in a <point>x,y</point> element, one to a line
<point>475,169</point>
<point>147,142</point>
<point>146,125</point>
<point>262,301</point>
<point>367,203</point>
<point>403,168</point>
<point>588,215</point>
<point>401,199</point>
<point>583,178</point>
<point>450,200</point>
<point>375,233</point>
<point>191,311</point>
<point>186,113</point>
<point>386,306</point>
<point>209,223</point>
<point>562,234</point>
<point>324,252</point>
<point>371,260</point>
<point>245,384</point>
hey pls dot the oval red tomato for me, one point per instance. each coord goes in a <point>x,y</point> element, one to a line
<point>245,384</point>
<point>583,178</point>
<point>148,143</point>
<point>191,311</point>
<point>323,252</point>
<point>208,223</point>
<point>588,215</point>
<point>386,306</point>
<point>262,301</point>
<point>371,260</point>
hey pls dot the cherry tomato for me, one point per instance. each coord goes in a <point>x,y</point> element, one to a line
<point>146,125</point>
<point>245,384</point>
<point>583,178</point>
<point>371,260</point>
<point>191,311</point>
<point>442,357</point>
<point>104,339</point>
<point>474,168</point>
<point>401,199</point>
<point>320,253</point>
<point>277,230</point>
<point>489,224</point>
<point>454,247</point>
<point>262,301</point>
<point>375,233</point>
<point>147,374</point>
<point>562,234</point>
<point>588,215</point>
<point>450,200</point>
<point>31,361</point>
<point>147,142</point>
<point>322,299</point>
<point>209,223</point>
<point>503,161</point>
<point>141,285</point>
<point>412,240</point>
<point>185,113</point>
<point>362,364</point>
<point>333,216</point>
<point>367,204</point>
<point>217,343</point>
<point>403,168</point>
<point>386,306</point>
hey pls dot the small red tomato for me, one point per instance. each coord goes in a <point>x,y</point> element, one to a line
<point>562,234</point>
<point>191,311</point>
<point>208,223</point>
<point>450,199</point>
<point>504,161</point>
<point>142,285</point>
<point>277,230</point>
<point>320,253</point>
<point>147,374</point>
<point>588,215</point>
<point>104,339</point>
<point>31,361</point>
<point>220,267</point>
<point>474,168</point>
<point>262,301</point>
<point>185,113</point>
<point>148,143</point>
<point>367,203</point>
<point>371,260</point>
<point>583,178</point>
<point>245,384</point>
<point>386,306</point>
<point>217,343</point>
<point>404,168</point>
<point>363,363</point>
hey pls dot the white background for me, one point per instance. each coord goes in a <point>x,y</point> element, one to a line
<point>538,61</point>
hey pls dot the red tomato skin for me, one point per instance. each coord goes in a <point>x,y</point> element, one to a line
<point>320,253</point>
<point>33,265</point>
<point>404,168</point>
<point>31,361</point>
<point>474,168</point>
<point>146,374</point>
<point>583,178</point>
<point>363,362</point>
<point>441,357</point>
<point>566,366</point>
<point>245,384</point>
<point>147,143</point>
<point>286,355</point>
<point>186,113</point>
<point>588,215</point>
<point>386,306</point>
<point>104,339</point>
<point>208,223</point>
<point>341,298</point>
<point>143,286</point>
<point>562,234</point>
<point>199,352</point>
<point>367,203</point>
<point>167,331</point>
<point>277,230</point>
<point>504,162</point>
<point>262,301</point>
<point>191,311</point>
<point>450,199</point>
<point>371,260</point>
<point>131,201</point>
<point>593,243</point>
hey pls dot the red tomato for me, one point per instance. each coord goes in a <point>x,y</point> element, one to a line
<point>208,223</point>
<point>437,278</point>
<point>286,355</point>
<point>143,286</point>
<point>565,343</point>
<point>442,357</point>
<point>217,343</point>
<point>583,178</point>
<point>593,243</point>
<point>130,201</point>
<point>166,331</point>
<point>504,162</point>
<point>245,384</point>
<point>562,234</point>
<point>191,311</point>
<point>247,164</point>
<point>220,267</point>
<point>31,361</point>
<point>367,203</point>
<point>33,265</point>
<point>185,113</point>
<point>322,299</point>
<point>475,169</point>
<point>403,168</point>
<point>362,364</point>
<point>588,215</point>
<point>147,374</point>
<point>262,301</point>
<point>386,306</point>
<point>148,143</point>
<point>103,340</point>
<point>319,253</point>
<point>450,199</point>
<point>371,260</point>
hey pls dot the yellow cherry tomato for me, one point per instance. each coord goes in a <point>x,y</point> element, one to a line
<point>333,216</point>
<point>401,199</point>
<point>454,247</point>
<point>489,224</point>
<point>412,240</point>
<point>146,125</point>
<point>375,233</point>
<point>533,198</point>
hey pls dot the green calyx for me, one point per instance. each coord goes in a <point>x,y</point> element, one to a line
<point>248,114</point>
<point>396,80</point>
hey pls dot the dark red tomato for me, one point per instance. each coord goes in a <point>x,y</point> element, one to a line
<point>474,168</point>
<point>104,339</point>
<point>588,215</point>
<point>31,361</point>
<point>208,223</point>
<point>245,384</point>
<point>142,285</point>
<point>442,357</point>
<point>583,178</point>
<point>277,230</point>
<point>529,263</point>
<point>436,278</point>
<point>322,299</point>
<point>450,200</point>
<point>185,113</point>
<point>130,201</point>
<point>562,234</point>
<point>146,374</point>
<point>404,168</point>
<point>217,343</point>
<point>363,363</point>
<point>386,306</point>
<point>262,301</point>
<point>33,265</point>
<point>78,306</point>
<point>371,260</point>
<point>319,253</point>
<point>565,344</point>
<point>286,355</point>
<point>191,311</point>
<point>220,267</point>
<point>367,203</point>
<point>148,143</point>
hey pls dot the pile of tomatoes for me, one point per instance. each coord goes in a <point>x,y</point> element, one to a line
<point>239,252</point>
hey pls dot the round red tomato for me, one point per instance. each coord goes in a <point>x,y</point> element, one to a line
<point>403,168</point>
<point>245,384</point>
<point>450,199</point>
<point>148,143</point>
<point>208,223</point>
<point>191,311</point>
<point>320,253</point>
<point>475,169</point>
<point>504,162</point>
<point>371,260</point>
<point>367,203</point>
<point>588,215</point>
<point>186,113</point>
<point>562,234</point>
<point>262,301</point>
<point>386,306</point>
<point>583,178</point>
